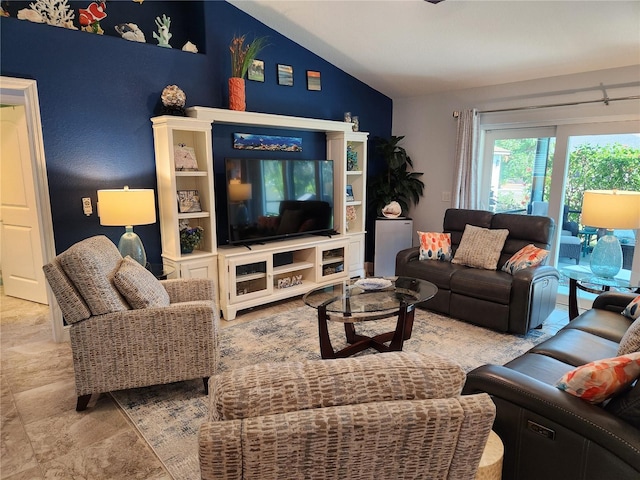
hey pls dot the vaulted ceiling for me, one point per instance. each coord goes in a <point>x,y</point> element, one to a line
<point>406,48</point>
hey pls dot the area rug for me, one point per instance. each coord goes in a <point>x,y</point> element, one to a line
<point>169,416</point>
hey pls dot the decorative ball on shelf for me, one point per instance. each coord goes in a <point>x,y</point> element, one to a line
<point>173,100</point>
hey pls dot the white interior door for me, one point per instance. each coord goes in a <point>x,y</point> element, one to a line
<point>22,258</point>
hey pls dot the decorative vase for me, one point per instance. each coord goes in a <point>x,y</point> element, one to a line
<point>236,94</point>
<point>185,249</point>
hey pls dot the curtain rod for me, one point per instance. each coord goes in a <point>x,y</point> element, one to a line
<point>605,99</point>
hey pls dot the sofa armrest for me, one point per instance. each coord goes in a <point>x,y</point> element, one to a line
<point>408,255</point>
<point>590,421</point>
<point>613,301</point>
<point>190,289</point>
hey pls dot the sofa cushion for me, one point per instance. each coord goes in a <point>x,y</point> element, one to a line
<point>480,247</point>
<point>91,265</point>
<point>435,246</point>
<point>541,367</point>
<point>491,285</point>
<point>601,379</point>
<point>603,323</point>
<point>526,257</point>
<point>631,340</point>
<point>576,347</point>
<point>139,286</point>
<point>438,273</point>
<point>523,230</point>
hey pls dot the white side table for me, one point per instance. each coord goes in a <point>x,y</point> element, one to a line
<point>491,462</point>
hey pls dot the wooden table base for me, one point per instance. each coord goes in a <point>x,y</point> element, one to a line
<point>358,343</point>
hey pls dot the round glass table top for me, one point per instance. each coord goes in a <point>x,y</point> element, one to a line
<point>584,274</point>
<point>370,295</point>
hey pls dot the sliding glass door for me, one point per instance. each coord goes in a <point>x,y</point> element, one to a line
<point>516,168</point>
<point>545,170</point>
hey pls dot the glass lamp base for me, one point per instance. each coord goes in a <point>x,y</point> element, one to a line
<point>606,258</point>
<point>130,244</point>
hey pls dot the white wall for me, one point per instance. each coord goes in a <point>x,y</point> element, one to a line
<point>430,129</point>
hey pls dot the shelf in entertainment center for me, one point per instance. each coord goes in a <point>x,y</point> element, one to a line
<point>250,276</point>
<point>354,202</point>
<point>190,173</point>
<point>193,215</point>
<point>332,260</point>
<point>292,267</point>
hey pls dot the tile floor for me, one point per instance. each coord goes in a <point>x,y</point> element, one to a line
<point>42,436</point>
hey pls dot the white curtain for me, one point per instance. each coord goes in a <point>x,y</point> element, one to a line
<point>465,183</point>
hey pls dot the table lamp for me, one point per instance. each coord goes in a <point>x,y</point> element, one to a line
<point>128,207</point>
<point>609,209</point>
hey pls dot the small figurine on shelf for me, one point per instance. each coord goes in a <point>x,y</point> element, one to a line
<point>163,36</point>
<point>173,100</point>
<point>130,31</point>
<point>190,238</point>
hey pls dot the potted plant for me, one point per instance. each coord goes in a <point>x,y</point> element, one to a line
<point>190,238</point>
<point>397,182</point>
<point>242,56</point>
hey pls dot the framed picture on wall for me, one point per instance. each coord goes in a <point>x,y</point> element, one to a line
<point>188,201</point>
<point>285,75</point>
<point>256,71</point>
<point>313,80</point>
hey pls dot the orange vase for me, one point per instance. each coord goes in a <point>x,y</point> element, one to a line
<point>236,94</point>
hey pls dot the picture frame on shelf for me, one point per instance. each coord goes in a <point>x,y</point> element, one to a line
<point>285,75</point>
<point>189,201</point>
<point>350,197</point>
<point>185,158</point>
<point>255,72</point>
<point>313,80</point>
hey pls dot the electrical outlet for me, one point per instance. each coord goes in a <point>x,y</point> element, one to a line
<point>86,206</point>
<point>446,196</point>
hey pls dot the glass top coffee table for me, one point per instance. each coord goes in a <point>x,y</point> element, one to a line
<point>366,300</point>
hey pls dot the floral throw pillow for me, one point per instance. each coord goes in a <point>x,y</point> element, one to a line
<point>526,257</point>
<point>602,379</point>
<point>435,246</point>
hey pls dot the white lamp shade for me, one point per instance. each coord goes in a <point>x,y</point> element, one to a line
<point>128,206</point>
<point>611,209</point>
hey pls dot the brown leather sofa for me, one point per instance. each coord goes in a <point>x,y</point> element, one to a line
<point>493,299</point>
<point>548,433</point>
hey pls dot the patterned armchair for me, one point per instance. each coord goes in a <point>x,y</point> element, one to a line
<point>127,328</point>
<point>388,416</point>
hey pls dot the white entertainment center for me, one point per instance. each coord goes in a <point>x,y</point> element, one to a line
<point>261,273</point>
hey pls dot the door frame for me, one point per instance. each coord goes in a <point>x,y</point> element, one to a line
<point>20,91</point>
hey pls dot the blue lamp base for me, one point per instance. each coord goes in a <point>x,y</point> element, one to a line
<point>606,258</point>
<point>130,244</point>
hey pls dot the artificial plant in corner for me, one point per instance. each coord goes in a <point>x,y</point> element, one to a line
<point>397,182</point>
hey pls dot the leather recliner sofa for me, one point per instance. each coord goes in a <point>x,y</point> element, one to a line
<point>550,434</point>
<point>490,298</point>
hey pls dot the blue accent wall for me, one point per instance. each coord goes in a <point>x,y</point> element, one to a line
<point>97,94</point>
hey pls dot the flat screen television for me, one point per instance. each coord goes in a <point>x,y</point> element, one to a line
<point>270,199</point>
